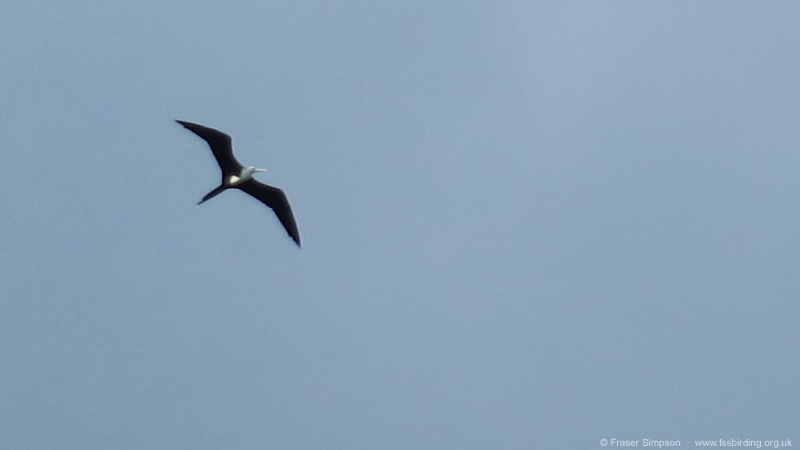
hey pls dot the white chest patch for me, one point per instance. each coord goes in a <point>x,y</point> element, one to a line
<point>233,179</point>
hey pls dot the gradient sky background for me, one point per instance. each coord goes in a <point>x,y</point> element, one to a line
<point>526,224</point>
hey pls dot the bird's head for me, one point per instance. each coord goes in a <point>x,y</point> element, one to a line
<point>248,172</point>
<point>251,170</point>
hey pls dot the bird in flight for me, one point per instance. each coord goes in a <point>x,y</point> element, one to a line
<point>235,175</point>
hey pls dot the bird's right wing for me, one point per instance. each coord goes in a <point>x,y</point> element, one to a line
<point>220,143</point>
<point>275,199</point>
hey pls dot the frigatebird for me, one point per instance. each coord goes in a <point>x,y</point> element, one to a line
<point>235,175</point>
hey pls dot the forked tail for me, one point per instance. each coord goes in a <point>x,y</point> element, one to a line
<point>211,194</point>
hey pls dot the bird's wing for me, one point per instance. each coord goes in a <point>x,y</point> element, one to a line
<point>220,144</point>
<point>275,199</point>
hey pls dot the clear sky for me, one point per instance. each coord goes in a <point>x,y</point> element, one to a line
<point>526,224</point>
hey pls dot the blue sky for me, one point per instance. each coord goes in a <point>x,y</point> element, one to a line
<point>526,224</point>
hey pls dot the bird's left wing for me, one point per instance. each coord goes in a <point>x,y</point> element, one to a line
<point>275,199</point>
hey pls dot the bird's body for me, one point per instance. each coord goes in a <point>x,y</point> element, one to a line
<point>236,176</point>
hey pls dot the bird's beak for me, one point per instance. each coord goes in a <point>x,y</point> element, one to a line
<point>260,170</point>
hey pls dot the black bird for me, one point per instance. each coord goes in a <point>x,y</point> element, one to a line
<point>235,175</point>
